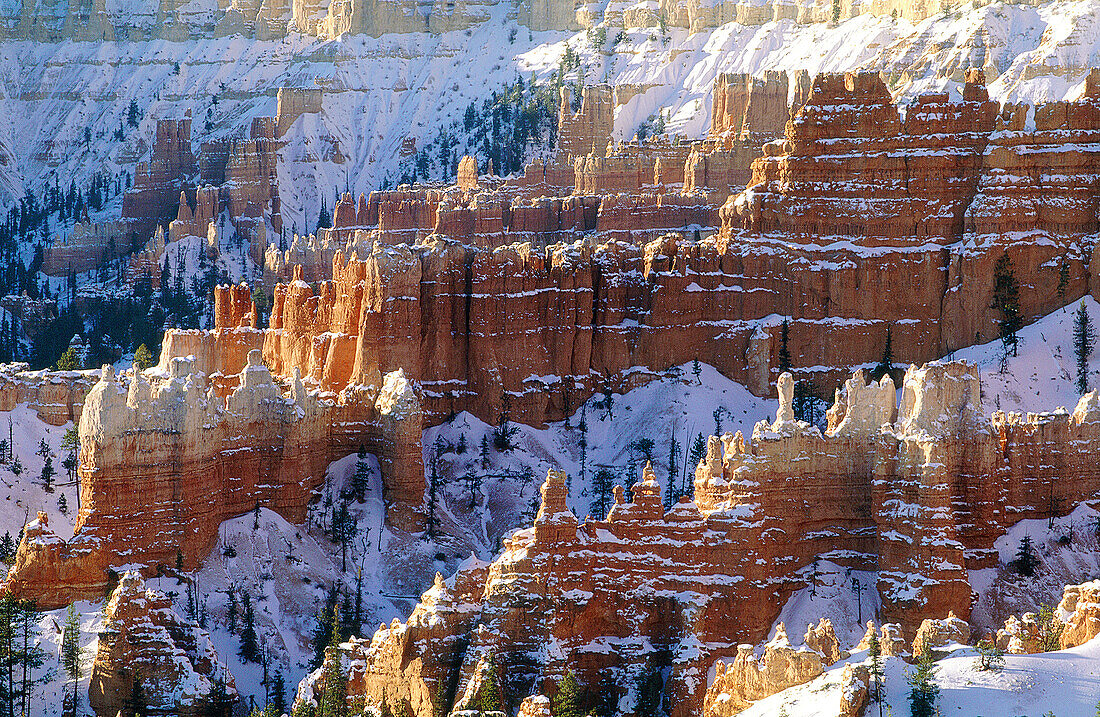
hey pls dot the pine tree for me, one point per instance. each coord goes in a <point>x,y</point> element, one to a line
<point>489,697</point>
<point>887,361</point>
<point>70,650</point>
<point>696,370</point>
<point>990,657</point>
<point>603,481</point>
<point>698,451</point>
<point>142,358</point>
<point>1006,301</point>
<point>876,671</point>
<point>784,352</point>
<point>672,494</point>
<point>231,615</point>
<point>322,635</point>
<point>360,480</point>
<point>333,681</point>
<point>1026,560</point>
<point>922,690</point>
<point>278,693</point>
<point>567,700</point>
<point>1083,339</point>
<point>250,647</point>
<point>344,529</point>
<point>47,475</point>
<point>7,548</point>
<point>68,361</point>
<point>63,504</point>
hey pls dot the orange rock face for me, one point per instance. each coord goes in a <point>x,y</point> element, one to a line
<point>649,590</point>
<point>589,128</point>
<point>144,640</point>
<point>167,456</point>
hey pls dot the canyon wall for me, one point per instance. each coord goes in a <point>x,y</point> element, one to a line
<point>917,491</point>
<point>168,454</point>
<point>145,642</point>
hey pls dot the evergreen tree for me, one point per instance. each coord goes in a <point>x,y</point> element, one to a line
<point>922,690</point>
<point>1006,301</point>
<point>1050,629</point>
<point>603,482</point>
<point>489,697</point>
<point>322,634</point>
<point>63,504</point>
<point>1026,560</point>
<point>278,693</point>
<point>70,650</point>
<point>143,359</point>
<point>333,682</point>
<point>344,529</point>
<point>484,452</point>
<point>48,472</point>
<point>7,548</point>
<point>887,361</point>
<point>698,452</point>
<point>68,361</point>
<point>567,700</point>
<point>231,613</point>
<point>696,370</point>
<point>672,494</point>
<point>784,352</point>
<point>876,672</point>
<point>1083,339</point>
<point>990,657</point>
<point>360,480</point>
<point>250,647</point>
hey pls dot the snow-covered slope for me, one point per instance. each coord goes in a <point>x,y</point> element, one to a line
<point>1065,683</point>
<point>380,90</point>
<point>1043,374</point>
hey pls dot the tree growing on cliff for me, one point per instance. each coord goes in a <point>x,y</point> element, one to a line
<point>68,361</point>
<point>250,646</point>
<point>603,481</point>
<point>489,699</point>
<point>784,351</point>
<point>887,360</point>
<point>70,650</point>
<point>143,359</point>
<point>1026,561</point>
<point>922,690</point>
<point>1084,338</point>
<point>568,700</point>
<point>360,480</point>
<point>1006,301</point>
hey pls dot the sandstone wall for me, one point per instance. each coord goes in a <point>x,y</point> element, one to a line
<point>653,590</point>
<point>165,457</point>
<point>292,103</point>
<point>588,129</point>
<point>144,640</point>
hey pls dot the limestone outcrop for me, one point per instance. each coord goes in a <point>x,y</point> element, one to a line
<point>167,455</point>
<point>935,634</point>
<point>144,642</point>
<point>1080,611</point>
<point>673,595</point>
<point>1079,616</point>
<point>749,678</point>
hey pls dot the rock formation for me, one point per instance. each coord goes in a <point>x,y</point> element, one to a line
<point>167,455</point>
<point>934,634</point>
<point>674,591</point>
<point>1078,613</point>
<point>144,642</point>
<point>589,128</point>
<point>749,678</point>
